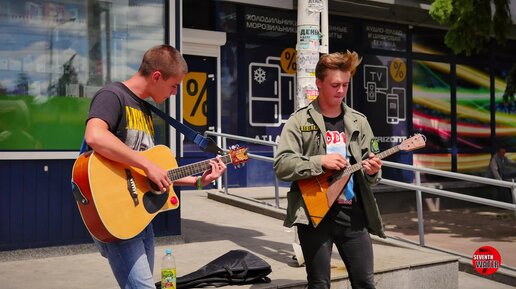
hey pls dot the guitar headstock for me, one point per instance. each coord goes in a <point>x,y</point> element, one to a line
<point>415,142</point>
<point>238,155</point>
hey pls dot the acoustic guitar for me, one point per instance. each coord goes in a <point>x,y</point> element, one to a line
<point>117,201</point>
<point>320,192</point>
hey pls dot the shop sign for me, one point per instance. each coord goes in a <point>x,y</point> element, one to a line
<point>386,37</point>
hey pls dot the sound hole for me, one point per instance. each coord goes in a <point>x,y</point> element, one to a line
<point>153,202</point>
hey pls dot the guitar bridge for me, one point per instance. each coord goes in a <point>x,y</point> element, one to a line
<point>131,186</point>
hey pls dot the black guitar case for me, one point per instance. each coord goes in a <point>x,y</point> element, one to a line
<point>236,267</point>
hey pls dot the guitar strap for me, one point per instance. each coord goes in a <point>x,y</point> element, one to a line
<point>77,194</point>
<point>205,143</point>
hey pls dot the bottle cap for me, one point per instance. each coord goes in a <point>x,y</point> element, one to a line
<point>168,251</point>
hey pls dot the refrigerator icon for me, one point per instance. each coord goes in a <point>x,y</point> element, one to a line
<point>264,94</point>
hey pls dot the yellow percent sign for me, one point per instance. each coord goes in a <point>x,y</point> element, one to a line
<point>288,60</point>
<point>195,107</point>
<point>398,70</point>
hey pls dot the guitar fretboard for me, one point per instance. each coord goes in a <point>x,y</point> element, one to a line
<point>351,169</point>
<point>195,168</point>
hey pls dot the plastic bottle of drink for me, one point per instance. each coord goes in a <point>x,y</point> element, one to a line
<point>168,270</point>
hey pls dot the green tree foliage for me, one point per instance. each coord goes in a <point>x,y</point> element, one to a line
<point>510,89</point>
<point>472,23</point>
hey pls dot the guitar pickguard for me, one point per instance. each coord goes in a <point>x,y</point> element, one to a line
<point>153,202</point>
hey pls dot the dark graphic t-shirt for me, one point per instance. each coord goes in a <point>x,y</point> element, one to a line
<point>126,115</point>
<point>347,209</point>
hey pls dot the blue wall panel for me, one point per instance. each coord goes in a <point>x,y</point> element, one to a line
<point>29,193</point>
<point>15,190</point>
<point>5,205</point>
<point>37,208</point>
<point>42,209</point>
<point>54,204</point>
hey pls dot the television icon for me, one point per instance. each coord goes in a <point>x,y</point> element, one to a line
<point>375,79</point>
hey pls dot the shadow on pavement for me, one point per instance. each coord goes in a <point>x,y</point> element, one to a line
<point>196,232</point>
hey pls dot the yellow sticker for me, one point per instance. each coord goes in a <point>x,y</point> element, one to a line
<point>305,128</point>
<point>195,94</point>
<point>288,60</point>
<point>398,69</point>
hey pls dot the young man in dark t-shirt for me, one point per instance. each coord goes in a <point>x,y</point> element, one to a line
<point>118,126</point>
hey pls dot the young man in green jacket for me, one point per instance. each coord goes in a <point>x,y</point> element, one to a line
<point>329,135</point>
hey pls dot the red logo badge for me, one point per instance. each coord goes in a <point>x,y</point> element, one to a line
<point>486,260</point>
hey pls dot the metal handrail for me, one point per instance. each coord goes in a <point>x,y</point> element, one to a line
<point>418,187</point>
<point>274,145</point>
<point>242,138</point>
<point>453,175</point>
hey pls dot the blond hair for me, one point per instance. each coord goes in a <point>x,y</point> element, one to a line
<point>347,61</point>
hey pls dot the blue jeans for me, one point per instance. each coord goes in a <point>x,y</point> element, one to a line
<point>132,261</point>
<point>354,246</point>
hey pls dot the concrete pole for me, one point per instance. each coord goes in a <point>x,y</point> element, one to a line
<point>325,35</point>
<point>308,49</point>
<point>308,43</point>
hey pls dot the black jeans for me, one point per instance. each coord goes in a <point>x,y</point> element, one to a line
<point>354,246</point>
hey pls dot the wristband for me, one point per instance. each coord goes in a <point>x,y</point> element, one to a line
<point>199,185</point>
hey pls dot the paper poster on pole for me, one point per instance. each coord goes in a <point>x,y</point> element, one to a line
<point>306,62</point>
<point>307,89</point>
<point>309,36</point>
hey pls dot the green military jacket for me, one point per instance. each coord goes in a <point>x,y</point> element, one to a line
<point>302,144</point>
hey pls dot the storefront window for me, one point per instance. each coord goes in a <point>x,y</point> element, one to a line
<point>429,41</point>
<point>381,83</point>
<point>432,112</point>
<point>473,108</point>
<point>55,55</point>
<point>473,163</point>
<point>505,107</point>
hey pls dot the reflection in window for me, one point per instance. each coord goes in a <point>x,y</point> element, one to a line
<point>433,161</point>
<point>431,112</point>
<point>55,55</point>
<point>505,107</point>
<point>473,108</point>
<point>473,163</point>
<point>431,96</point>
<point>429,41</point>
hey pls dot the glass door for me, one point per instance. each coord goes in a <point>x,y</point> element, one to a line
<point>199,103</point>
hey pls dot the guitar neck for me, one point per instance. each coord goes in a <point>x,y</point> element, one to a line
<point>351,169</point>
<point>195,168</point>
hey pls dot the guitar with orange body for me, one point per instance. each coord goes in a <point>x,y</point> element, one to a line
<point>320,192</point>
<point>117,201</point>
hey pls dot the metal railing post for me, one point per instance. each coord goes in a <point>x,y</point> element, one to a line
<point>420,220</point>
<point>513,190</point>
<point>226,183</point>
<point>276,185</point>
<point>222,143</point>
